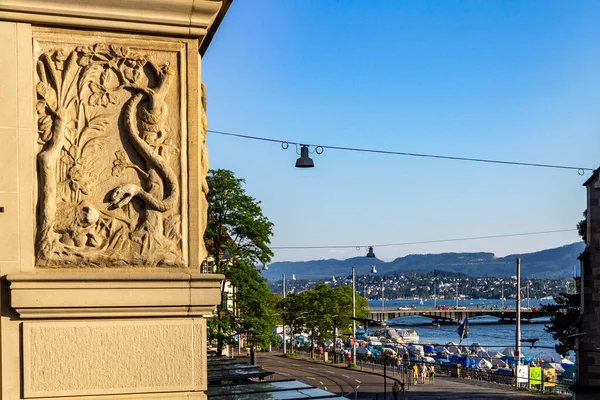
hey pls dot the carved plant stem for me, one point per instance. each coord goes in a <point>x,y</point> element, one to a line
<point>47,160</point>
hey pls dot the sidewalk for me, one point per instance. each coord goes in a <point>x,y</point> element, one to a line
<point>460,389</point>
<point>449,388</point>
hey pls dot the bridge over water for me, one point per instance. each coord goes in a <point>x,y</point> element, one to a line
<point>445,316</point>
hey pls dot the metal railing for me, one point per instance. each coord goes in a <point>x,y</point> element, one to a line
<point>403,372</point>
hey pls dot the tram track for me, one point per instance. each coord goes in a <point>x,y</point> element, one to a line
<point>325,377</point>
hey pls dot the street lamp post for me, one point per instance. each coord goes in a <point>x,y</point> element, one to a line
<point>518,318</point>
<point>283,319</point>
<point>384,375</point>
<point>382,299</point>
<point>353,341</point>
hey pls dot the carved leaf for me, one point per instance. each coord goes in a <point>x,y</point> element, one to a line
<point>137,74</point>
<point>109,79</point>
<point>91,74</point>
<point>119,164</point>
<point>118,51</point>
<point>94,126</point>
<point>41,89</point>
<point>70,77</point>
<point>128,73</point>
<point>173,228</point>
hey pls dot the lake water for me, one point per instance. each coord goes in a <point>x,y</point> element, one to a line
<point>483,330</point>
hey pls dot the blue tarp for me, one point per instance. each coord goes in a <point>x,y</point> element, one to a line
<point>374,351</point>
<point>464,361</point>
<point>510,360</point>
<point>528,360</point>
<point>428,349</point>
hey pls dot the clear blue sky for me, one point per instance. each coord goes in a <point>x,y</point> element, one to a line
<point>510,80</point>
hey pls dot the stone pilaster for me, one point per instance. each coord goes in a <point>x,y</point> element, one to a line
<point>102,198</point>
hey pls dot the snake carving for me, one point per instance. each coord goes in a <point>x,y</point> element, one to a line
<point>162,188</point>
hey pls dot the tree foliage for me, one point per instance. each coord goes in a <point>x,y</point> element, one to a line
<point>235,221</point>
<point>566,310</point>
<point>237,225</point>
<point>564,323</point>
<point>582,227</point>
<point>322,312</point>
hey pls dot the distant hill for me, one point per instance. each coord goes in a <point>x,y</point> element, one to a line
<point>550,263</point>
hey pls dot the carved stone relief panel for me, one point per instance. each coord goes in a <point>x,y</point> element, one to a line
<point>111,151</point>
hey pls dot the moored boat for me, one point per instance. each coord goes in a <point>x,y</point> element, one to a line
<point>408,335</point>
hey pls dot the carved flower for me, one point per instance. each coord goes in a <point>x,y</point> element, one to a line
<point>40,107</point>
<point>45,128</point>
<point>59,58</point>
<point>120,163</point>
<point>100,48</point>
<point>100,96</point>
<point>85,59</point>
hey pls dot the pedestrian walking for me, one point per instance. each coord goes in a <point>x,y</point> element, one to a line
<point>431,374</point>
<point>415,374</point>
<point>395,390</point>
<point>424,373</point>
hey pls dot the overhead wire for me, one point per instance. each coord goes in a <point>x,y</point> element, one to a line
<point>581,170</point>
<point>423,241</point>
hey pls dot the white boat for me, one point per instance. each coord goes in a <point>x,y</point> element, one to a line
<point>408,335</point>
<point>388,335</point>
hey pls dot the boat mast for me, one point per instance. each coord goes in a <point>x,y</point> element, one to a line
<point>502,295</point>
<point>456,294</point>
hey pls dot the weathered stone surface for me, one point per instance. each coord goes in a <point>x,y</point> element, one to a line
<point>110,144</point>
<point>113,356</point>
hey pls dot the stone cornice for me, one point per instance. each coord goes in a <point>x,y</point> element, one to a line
<point>186,18</point>
<point>50,296</point>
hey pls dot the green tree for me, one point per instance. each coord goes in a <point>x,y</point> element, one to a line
<point>254,316</point>
<point>565,321</point>
<point>323,312</point>
<point>237,226</point>
<point>582,227</point>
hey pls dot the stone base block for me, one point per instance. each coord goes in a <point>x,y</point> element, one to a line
<point>63,358</point>
<point>134,336</point>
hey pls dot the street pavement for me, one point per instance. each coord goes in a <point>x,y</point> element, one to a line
<point>365,384</point>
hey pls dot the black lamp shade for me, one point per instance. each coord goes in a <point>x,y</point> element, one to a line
<point>304,161</point>
<point>370,254</point>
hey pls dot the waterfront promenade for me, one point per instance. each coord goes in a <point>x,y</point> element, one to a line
<point>448,388</point>
<point>367,384</point>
